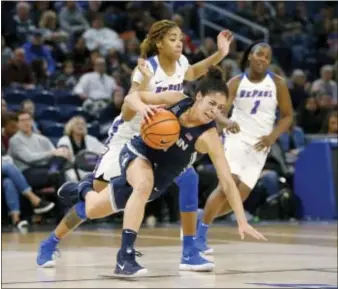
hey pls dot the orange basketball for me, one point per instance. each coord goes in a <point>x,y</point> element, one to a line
<point>162,131</point>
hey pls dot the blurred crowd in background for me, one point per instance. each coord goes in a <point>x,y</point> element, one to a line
<point>66,66</point>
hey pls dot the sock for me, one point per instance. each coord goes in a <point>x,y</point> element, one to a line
<point>53,239</point>
<point>128,240</point>
<point>202,231</point>
<point>188,242</point>
<point>80,209</point>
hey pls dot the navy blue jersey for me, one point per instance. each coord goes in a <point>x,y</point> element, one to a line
<point>170,163</point>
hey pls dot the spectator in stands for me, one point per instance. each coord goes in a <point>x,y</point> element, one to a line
<point>207,48</point>
<point>333,39</point>
<point>28,106</point>
<point>331,123</point>
<point>39,8</point>
<point>6,52</point>
<point>36,50</point>
<point>230,68</point>
<point>188,47</point>
<point>3,105</point>
<point>160,10</point>
<point>102,38</point>
<point>310,117</point>
<point>77,139</point>
<point>94,8</point>
<point>97,85</point>
<point>131,56</point>
<point>42,77</point>
<point>14,183</point>
<point>17,71</point>
<point>36,156</point>
<point>10,127</point>
<point>54,37</point>
<point>298,88</point>
<point>292,142</point>
<point>65,79</point>
<point>71,19</point>
<point>325,84</point>
<point>22,24</point>
<point>80,56</point>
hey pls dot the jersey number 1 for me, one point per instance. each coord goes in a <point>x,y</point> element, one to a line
<point>254,109</point>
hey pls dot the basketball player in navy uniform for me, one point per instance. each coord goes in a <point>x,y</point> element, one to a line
<point>146,172</point>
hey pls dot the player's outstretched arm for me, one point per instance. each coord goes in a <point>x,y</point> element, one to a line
<point>210,143</point>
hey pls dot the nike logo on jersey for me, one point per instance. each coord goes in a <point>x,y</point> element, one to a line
<point>255,93</point>
<point>158,82</point>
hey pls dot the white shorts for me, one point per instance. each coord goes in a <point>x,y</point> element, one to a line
<point>244,160</point>
<point>108,165</point>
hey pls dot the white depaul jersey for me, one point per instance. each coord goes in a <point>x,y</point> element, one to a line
<point>255,107</point>
<point>160,82</point>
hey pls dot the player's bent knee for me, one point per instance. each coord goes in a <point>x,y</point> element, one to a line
<point>143,187</point>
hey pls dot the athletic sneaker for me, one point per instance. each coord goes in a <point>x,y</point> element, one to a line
<point>68,194</point>
<point>201,245</point>
<point>193,261</point>
<point>47,254</point>
<point>22,226</point>
<point>44,207</point>
<point>126,265</point>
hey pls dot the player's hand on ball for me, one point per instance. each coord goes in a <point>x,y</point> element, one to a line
<point>148,110</point>
<point>224,40</point>
<point>246,229</point>
<point>265,142</point>
<point>232,127</point>
<point>143,68</point>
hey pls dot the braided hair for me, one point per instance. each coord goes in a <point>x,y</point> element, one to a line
<point>156,33</point>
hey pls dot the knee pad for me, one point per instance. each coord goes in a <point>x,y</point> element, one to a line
<point>188,186</point>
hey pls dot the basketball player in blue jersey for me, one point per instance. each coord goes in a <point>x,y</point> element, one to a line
<point>146,173</point>
<point>164,70</point>
<point>255,94</point>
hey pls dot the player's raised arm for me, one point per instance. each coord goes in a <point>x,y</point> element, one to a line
<point>147,103</point>
<point>210,143</point>
<point>195,71</point>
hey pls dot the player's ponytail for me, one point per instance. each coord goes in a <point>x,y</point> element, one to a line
<point>247,51</point>
<point>213,82</point>
<point>215,72</point>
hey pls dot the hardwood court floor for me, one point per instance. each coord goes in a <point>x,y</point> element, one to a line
<point>296,256</point>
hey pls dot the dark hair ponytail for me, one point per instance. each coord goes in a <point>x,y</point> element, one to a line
<point>213,81</point>
<point>244,60</point>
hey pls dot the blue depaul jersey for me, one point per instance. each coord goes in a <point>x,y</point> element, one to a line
<point>170,163</point>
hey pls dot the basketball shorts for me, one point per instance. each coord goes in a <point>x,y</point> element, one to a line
<point>244,160</point>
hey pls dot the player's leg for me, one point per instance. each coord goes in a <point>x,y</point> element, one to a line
<point>92,205</point>
<point>107,168</point>
<point>140,177</point>
<point>188,201</point>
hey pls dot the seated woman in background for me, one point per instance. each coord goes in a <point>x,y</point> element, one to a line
<point>76,139</point>
<point>331,123</point>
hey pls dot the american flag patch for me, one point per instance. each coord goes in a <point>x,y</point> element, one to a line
<point>188,136</point>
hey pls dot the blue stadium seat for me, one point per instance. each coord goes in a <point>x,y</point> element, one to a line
<point>14,96</point>
<point>49,113</point>
<point>94,129</point>
<point>51,128</point>
<point>13,107</point>
<point>66,97</point>
<point>54,140</point>
<point>68,111</point>
<point>44,97</point>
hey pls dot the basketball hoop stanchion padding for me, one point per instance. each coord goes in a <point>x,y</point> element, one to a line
<point>315,180</point>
